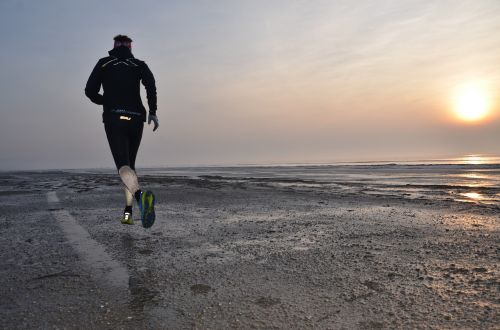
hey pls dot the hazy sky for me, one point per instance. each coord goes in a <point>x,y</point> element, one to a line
<point>253,81</point>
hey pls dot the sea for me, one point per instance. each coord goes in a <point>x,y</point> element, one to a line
<point>468,179</point>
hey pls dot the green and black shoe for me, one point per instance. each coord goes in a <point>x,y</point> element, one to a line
<point>146,201</point>
<point>127,217</point>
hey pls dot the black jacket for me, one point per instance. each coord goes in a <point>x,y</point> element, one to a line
<point>120,75</point>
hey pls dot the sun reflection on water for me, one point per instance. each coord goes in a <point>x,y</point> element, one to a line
<point>475,180</point>
<point>476,160</point>
<point>473,176</point>
<point>473,195</point>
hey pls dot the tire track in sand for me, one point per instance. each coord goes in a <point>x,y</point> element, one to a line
<point>101,265</point>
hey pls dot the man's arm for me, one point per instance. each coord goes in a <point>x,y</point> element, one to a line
<point>94,85</point>
<point>148,80</point>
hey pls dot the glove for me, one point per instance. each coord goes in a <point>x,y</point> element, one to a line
<point>154,119</point>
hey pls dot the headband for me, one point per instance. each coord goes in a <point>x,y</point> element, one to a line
<point>123,43</point>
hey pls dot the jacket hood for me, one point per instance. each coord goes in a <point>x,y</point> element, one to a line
<point>121,52</point>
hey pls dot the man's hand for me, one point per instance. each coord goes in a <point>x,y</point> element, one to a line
<point>154,119</point>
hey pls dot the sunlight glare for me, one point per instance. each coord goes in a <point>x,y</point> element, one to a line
<point>474,160</point>
<point>473,195</point>
<point>471,103</point>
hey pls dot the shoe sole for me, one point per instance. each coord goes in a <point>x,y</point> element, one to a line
<point>148,209</point>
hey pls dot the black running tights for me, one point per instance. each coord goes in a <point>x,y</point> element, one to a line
<point>124,137</point>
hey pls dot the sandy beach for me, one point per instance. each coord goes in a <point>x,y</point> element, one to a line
<point>240,253</point>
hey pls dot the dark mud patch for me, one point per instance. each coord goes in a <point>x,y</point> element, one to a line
<point>200,289</point>
<point>141,296</point>
<point>267,302</point>
<point>145,251</point>
<point>371,325</point>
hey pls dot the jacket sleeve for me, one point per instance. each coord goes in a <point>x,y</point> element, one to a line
<point>148,80</point>
<point>94,85</point>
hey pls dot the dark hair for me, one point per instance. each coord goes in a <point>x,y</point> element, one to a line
<point>122,38</point>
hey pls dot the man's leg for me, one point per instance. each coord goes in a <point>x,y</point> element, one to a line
<point>129,198</point>
<point>135,137</point>
<point>145,200</point>
<point>129,179</point>
<point>124,138</point>
<point>118,142</point>
<point>118,139</point>
<point>127,213</point>
<point>127,173</point>
<point>131,188</point>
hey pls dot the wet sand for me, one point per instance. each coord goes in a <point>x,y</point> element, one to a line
<point>242,254</point>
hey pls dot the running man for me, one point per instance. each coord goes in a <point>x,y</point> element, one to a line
<point>123,116</point>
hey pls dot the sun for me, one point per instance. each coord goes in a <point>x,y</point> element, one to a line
<point>471,103</point>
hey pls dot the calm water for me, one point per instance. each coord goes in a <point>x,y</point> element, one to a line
<point>473,179</point>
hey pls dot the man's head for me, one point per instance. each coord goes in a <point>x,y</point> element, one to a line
<point>122,40</point>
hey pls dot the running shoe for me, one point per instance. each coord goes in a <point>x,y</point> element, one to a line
<point>147,208</point>
<point>127,218</point>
